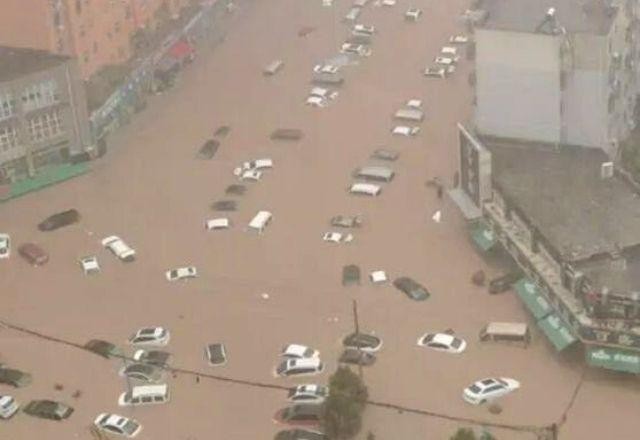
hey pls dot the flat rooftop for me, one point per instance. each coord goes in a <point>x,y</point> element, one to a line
<point>576,16</point>
<point>16,62</point>
<point>562,194</point>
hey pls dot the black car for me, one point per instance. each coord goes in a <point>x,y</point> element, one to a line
<point>287,134</point>
<point>350,275</point>
<point>48,409</point>
<point>362,341</point>
<point>59,220</point>
<point>357,357</point>
<point>216,354</point>
<point>235,190</point>
<point>222,131</point>
<point>299,434</point>
<point>346,221</point>
<point>504,282</point>
<point>14,378</point>
<point>209,149</point>
<point>225,205</point>
<point>103,348</point>
<point>411,288</point>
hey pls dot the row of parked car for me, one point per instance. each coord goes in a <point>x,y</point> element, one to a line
<point>444,64</point>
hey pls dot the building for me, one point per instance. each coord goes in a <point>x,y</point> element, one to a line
<point>96,32</point>
<point>565,72</point>
<point>43,112</point>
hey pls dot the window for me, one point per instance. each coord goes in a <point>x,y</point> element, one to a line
<point>7,105</point>
<point>40,95</point>
<point>8,138</point>
<point>45,126</point>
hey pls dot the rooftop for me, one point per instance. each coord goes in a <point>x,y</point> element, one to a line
<point>562,194</point>
<point>576,16</point>
<point>16,62</point>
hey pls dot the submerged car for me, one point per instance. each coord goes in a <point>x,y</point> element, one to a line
<point>388,155</point>
<point>209,149</point>
<point>486,390</point>
<point>156,358</point>
<point>299,367</point>
<point>142,372</point>
<point>337,237</point>
<point>59,220</point>
<point>299,434</point>
<point>362,341</point>
<point>15,378</point>
<point>103,348</point>
<point>435,72</point>
<point>442,342</point>
<point>504,282</point>
<point>403,130</point>
<point>297,351</point>
<point>235,189</point>
<point>119,248</point>
<point>48,409</point>
<point>115,424</point>
<point>150,336</point>
<point>89,265</point>
<point>8,406</point>
<point>216,354</point>
<point>308,393</point>
<point>411,288</point>
<point>357,357</point>
<point>181,273</point>
<point>346,221</point>
<point>225,205</point>
<point>350,275</point>
<point>34,254</point>
<point>300,414</point>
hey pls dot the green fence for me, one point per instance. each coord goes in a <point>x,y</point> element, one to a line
<point>44,177</point>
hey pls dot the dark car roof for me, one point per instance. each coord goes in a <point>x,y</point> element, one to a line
<point>363,337</point>
<point>141,368</point>
<point>49,407</point>
<point>102,348</point>
<point>14,377</point>
<point>299,434</point>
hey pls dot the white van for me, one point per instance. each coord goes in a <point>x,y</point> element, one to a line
<point>365,189</point>
<point>273,67</point>
<point>517,332</point>
<point>409,114</point>
<point>145,395</point>
<point>376,173</point>
<point>260,221</point>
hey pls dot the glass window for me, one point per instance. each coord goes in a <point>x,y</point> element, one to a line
<point>40,95</point>
<point>45,126</point>
<point>8,138</point>
<point>7,105</point>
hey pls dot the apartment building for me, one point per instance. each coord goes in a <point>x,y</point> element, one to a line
<point>565,72</point>
<point>43,112</point>
<point>96,32</point>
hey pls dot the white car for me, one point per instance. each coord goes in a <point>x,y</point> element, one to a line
<point>115,424</point>
<point>8,407</point>
<point>150,336</point>
<point>486,390</point>
<point>459,39</point>
<point>362,29</point>
<point>249,175</point>
<point>413,14</point>
<point>119,248</point>
<point>323,93</point>
<point>297,351</point>
<point>378,276</point>
<point>414,104</point>
<point>299,367</point>
<point>388,2</point>
<point>89,265</point>
<point>5,245</point>
<point>337,237</point>
<point>358,49</point>
<point>316,101</point>
<point>445,61</point>
<point>258,164</point>
<point>435,72</point>
<point>217,223</point>
<point>309,393</point>
<point>442,342</point>
<point>450,52</point>
<point>403,130</point>
<point>326,68</point>
<point>181,273</point>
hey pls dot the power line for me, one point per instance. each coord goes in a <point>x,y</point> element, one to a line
<point>541,431</point>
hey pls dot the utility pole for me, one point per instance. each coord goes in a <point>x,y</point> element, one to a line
<point>356,326</point>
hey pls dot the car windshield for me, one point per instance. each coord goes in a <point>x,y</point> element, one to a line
<point>130,427</point>
<point>282,367</point>
<point>308,352</point>
<point>456,343</point>
<point>427,338</point>
<point>474,388</point>
<point>8,403</point>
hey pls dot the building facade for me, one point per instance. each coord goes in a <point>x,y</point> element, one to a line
<point>564,75</point>
<point>43,112</point>
<point>96,32</point>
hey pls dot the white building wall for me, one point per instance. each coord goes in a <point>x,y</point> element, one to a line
<point>517,85</point>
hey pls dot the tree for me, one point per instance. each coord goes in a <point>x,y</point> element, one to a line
<point>464,434</point>
<point>342,411</point>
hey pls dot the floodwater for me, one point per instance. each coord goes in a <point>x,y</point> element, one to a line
<point>152,192</point>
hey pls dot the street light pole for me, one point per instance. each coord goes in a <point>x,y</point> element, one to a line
<point>356,326</point>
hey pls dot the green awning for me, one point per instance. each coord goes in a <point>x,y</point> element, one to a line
<point>484,237</point>
<point>529,294</point>
<point>557,331</point>
<point>611,359</point>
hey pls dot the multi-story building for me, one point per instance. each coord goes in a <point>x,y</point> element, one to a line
<point>43,111</point>
<point>563,73</point>
<point>96,32</point>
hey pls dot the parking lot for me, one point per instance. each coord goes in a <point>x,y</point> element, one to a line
<point>153,192</point>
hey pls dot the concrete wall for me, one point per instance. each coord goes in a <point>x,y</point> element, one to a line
<point>517,85</point>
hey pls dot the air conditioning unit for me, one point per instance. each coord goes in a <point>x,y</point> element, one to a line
<point>606,170</point>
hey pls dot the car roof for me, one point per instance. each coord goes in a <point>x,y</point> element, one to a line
<point>143,390</point>
<point>305,362</point>
<point>443,338</point>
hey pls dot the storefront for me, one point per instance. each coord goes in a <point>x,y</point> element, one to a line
<point>558,333</point>
<point>530,295</point>
<point>613,359</point>
<point>483,237</point>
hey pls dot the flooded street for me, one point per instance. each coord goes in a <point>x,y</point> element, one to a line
<point>152,191</point>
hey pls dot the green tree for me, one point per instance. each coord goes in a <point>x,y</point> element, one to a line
<point>342,411</point>
<point>464,434</point>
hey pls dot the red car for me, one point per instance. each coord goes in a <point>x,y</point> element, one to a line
<point>302,414</point>
<point>34,254</point>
